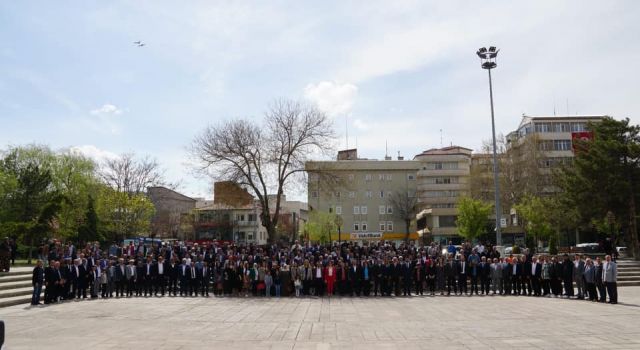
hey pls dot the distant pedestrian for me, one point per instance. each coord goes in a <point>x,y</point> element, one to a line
<point>37,280</point>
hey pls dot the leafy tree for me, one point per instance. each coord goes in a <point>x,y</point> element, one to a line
<point>320,226</point>
<point>472,219</point>
<point>604,177</point>
<point>89,229</point>
<point>535,211</point>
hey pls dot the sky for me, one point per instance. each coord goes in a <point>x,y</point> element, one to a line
<point>401,75</point>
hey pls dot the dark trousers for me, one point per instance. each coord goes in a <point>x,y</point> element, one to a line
<point>406,286</point>
<point>568,287</point>
<point>376,287</point>
<point>535,285</point>
<point>193,286</point>
<point>484,284</point>
<point>516,284</point>
<point>545,287</point>
<point>131,286</point>
<point>105,290</point>
<point>306,287</point>
<point>366,287</point>
<point>173,285</point>
<point>120,287</point>
<point>451,282</point>
<point>184,286</point>
<point>612,290</point>
<point>431,285</point>
<point>526,285</point>
<point>591,291</point>
<point>474,284</point>
<point>395,285</point>
<point>419,287</point>
<point>319,286</point>
<point>148,285</point>
<point>384,287</point>
<point>556,286</point>
<point>161,283</point>
<point>462,283</point>
<point>37,290</point>
<point>355,287</point>
<point>602,290</point>
<point>204,287</point>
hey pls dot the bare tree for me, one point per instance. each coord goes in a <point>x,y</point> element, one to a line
<point>405,206</point>
<point>266,156</point>
<point>130,175</point>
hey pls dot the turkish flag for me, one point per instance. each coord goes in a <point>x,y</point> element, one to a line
<point>581,137</point>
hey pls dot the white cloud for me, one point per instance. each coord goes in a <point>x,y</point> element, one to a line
<point>332,97</point>
<point>93,152</point>
<point>107,109</point>
<point>106,118</point>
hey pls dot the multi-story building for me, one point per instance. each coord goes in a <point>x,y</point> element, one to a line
<point>442,178</point>
<point>361,192</point>
<point>172,214</point>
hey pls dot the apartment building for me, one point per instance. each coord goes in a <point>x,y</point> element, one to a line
<point>442,178</point>
<point>359,191</point>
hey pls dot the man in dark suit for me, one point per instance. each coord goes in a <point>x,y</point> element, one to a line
<point>185,277</point>
<point>120,277</point>
<point>451,272</point>
<point>407,274</point>
<point>149,276</point>
<point>194,279</point>
<point>37,280</point>
<point>463,273</point>
<point>567,276</point>
<point>174,276</point>
<point>527,286</point>
<point>161,272</point>
<point>376,275</point>
<point>535,277</point>
<point>354,277</point>
<point>395,273</point>
<point>516,274</point>
<point>484,273</point>
<point>206,278</point>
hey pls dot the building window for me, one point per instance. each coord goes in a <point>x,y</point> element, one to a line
<point>439,194</point>
<point>251,217</point>
<point>441,166</point>
<point>380,177</point>
<point>368,194</point>
<point>411,177</point>
<point>389,226</point>
<point>352,194</point>
<point>562,145</point>
<point>382,226</point>
<point>447,220</point>
<point>442,180</point>
<point>363,210</point>
<point>389,209</point>
<point>314,194</point>
<point>356,210</point>
<point>578,127</point>
<point>350,177</point>
<point>381,194</point>
<point>330,210</point>
<point>388,177</point>
<point>364,226</point>
<point>382,210</point>
<point>561,127</point>
<point>367,177</point>
<point>356,226</point>
<point>239,217</point>
<point>338,210</point>
<point>389,193</point>
<point>543,127</point>
<point>250,236</point>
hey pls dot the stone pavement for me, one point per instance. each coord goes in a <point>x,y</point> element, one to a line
<point>336,323</point>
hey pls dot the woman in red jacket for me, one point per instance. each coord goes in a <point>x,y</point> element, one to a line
<point>330,277</point>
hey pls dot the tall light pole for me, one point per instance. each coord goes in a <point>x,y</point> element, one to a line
<point>488,62</point>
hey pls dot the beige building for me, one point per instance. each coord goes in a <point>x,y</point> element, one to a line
<point>360,192</point>
<point>443,177</point>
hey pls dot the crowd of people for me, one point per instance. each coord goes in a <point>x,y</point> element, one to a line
<point>301,270</point>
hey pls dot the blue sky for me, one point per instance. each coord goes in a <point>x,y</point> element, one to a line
<point>397,71</point>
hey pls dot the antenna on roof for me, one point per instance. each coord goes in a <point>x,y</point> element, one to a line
<point>386,148</point>
<point>554,105</point>
<point>440,138</point>
<point>346,128</point>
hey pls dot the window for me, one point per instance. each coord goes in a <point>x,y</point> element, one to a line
<point>239,217</point>
<point>389,209</point>
<point>356,210</point>
<point>364,226</point>
<point>441,166</point>
<point>543,127</point>
<point>314,194</point>
<point>330,210</point>
<point>382,226</point>
<point>337,194</point>
<point>411,177</point>
<point>439,194</point>
<point>352,194</point>
<point>250,236</point>
<point>388,177</point>
<point>350,177</point>
<point>367,177</point>
<point>368,194</point>
<point>251,217</point>
<point>389,226</point>
<point>338,210</point>
<point>356,226</point>
<point>561,127</point>
<point>382,210</point>
<point>381,194</point>
<point>562,145</point>
<point>380,177</point>
<point>444,205</point>
<point>363,210</point>
<point>578,127</point>
<point>447,220</point>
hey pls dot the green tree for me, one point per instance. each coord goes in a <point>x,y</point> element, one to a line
<point>320,226</point>
<point>88,231</point>
<point>535,211</point>
<point>472,217</point>
<point>604,177</point>
<point>123,215</point>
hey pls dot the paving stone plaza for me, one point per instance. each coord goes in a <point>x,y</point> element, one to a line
<point>338,323</point>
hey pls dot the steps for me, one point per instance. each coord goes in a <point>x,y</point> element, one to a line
<point>628,272</point>
<point>15,286</point>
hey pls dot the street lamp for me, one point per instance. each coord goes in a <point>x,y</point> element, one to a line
<point>488,62</point>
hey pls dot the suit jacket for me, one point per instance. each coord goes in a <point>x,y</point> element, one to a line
<point>130,272</point>
<point>119,275</point>
<point>451,269</point>
<point>538,271</point>
<point>184,272</point>
<point>609,272</point>
<point>578,271</point>
<point>354,275</point>
<point>38,275</point>
<point>589,274</point>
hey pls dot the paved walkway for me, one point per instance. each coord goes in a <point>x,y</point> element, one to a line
<point>337,323</point>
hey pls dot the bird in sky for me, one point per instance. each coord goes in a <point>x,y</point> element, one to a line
<point>139,43</point>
